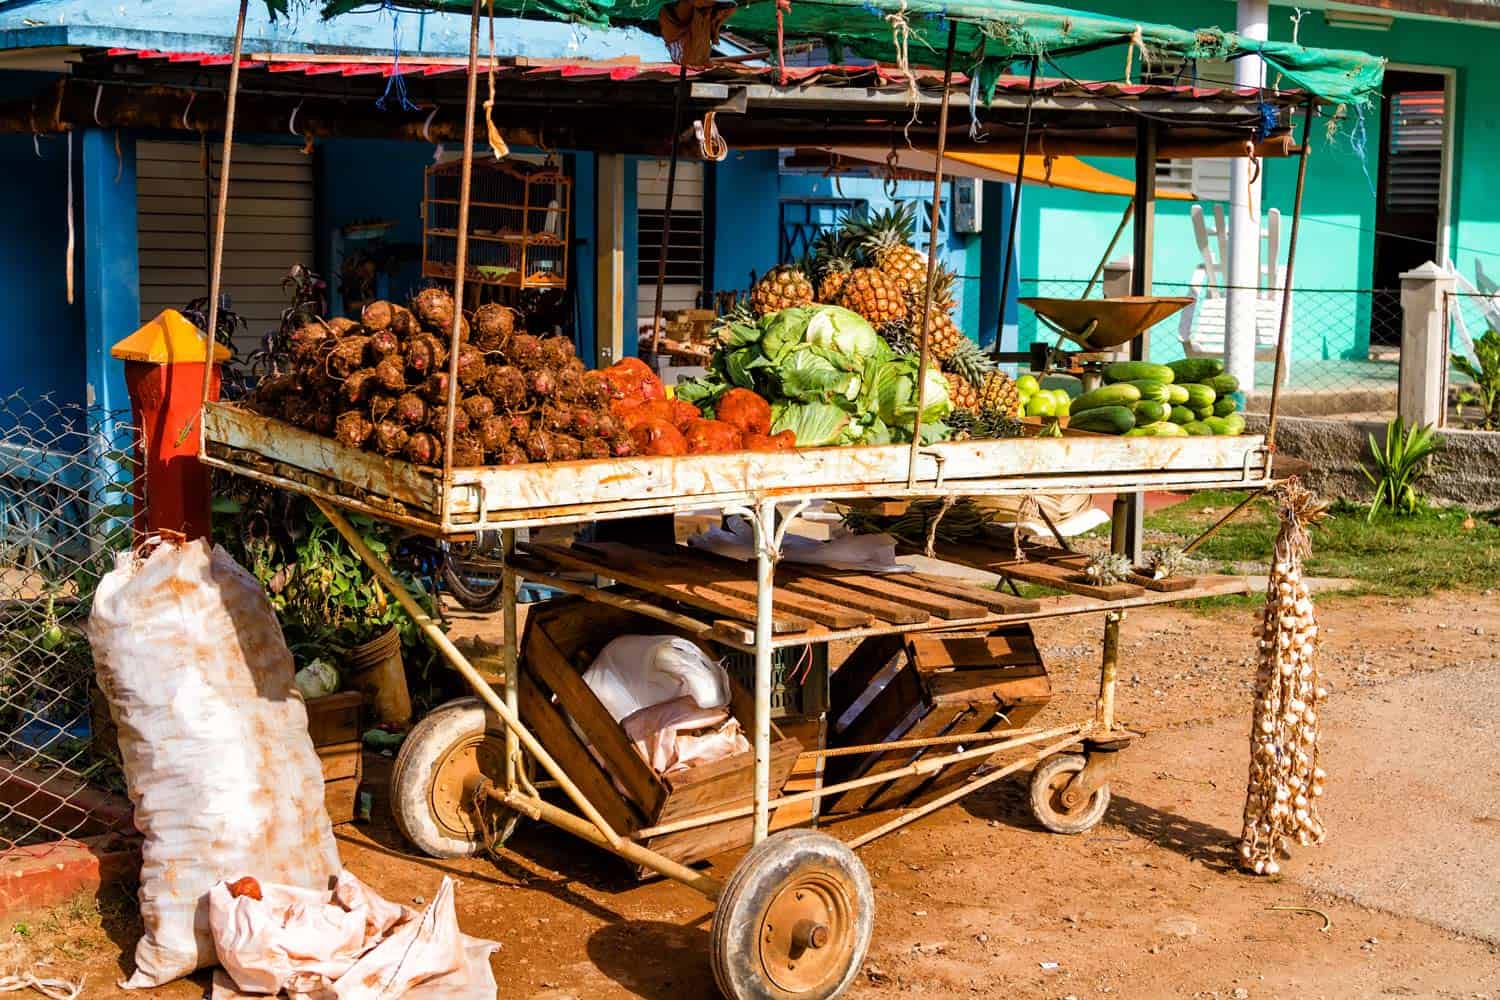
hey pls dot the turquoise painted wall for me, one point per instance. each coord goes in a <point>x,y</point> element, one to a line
<point>1066,232</point>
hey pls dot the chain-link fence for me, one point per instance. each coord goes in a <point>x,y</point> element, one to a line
<point>66,478</point>
<point>1473,388</point>
<point>1345,343</point>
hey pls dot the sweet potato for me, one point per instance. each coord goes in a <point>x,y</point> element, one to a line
<point>745,410</point>
<point>684,413</point>
<point>785,441</point>
<point>634,382</point>
<point>711,436</point>
<point>657,409</point>
<point>658,437</point>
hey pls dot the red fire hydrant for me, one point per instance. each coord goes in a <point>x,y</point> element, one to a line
<point>164,373</point>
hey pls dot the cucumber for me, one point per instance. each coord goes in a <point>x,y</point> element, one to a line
<point>1198,429</point>
<point>1122,395</point>
<point>1196,369</point>
<point>1168,429</point>
<point>1224,407</point>
<point>1130,371</point>
<point>1235,423</point>
<point>1140,432</point>
<point>1200,395</point>
<point>1203,412</point>
<point>1181,415</point>
<point>1150,389</point>
<point>1223,383</point>
<point>1218,425</point>
<point>1159,429</point>
<point>1148,411</point>
<point>1109,419</point>
<point>1177,395</point>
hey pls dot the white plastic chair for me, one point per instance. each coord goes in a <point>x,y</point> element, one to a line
<point>1201,325</point>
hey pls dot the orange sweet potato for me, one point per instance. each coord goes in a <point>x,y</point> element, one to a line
<point>785,441</point>
<point>745,410</point>
<point>711,436</point>
<point>658,437</point>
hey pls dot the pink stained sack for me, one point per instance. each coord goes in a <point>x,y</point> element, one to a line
<point>675,735</point>
<point>214,742</point>
<point>349,944</point>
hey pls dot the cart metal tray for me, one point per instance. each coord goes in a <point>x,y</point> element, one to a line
<point>540,493</point>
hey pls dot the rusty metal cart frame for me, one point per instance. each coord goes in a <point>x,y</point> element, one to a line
<point>830,928</point>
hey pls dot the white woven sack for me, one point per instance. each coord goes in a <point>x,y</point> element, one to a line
<point>214,741</point>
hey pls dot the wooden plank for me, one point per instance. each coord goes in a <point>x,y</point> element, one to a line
<point>1069,579</point>
<point>334,718</point>
<point>955,718</point>
<point>340,799</point>
<point>893,714</point>
<point>806,774</point>
<point>725,788</point>
<point>554,733</point>
<point>695,595</point>
<point>732,580</point>
<point>1168,584</point>
<point>896,612</point>
<point>891,588</point>
<point>1005,604</point>
<point>946,653</point>
<point>621,759</point>
<point>340,760</point>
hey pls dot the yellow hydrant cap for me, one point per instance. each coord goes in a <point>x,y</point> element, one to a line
<point>170,337</point>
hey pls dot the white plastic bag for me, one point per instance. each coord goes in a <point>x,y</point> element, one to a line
<point>637,671</point>
<point>348,944</point>
<point>214,742</point>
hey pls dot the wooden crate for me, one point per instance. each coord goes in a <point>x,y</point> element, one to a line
<point>333,721</point>
<point>334,718</point>
<point>559,643</point>
<point>937,684</point>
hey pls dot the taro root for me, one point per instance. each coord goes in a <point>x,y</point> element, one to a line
<point>435,387</point>
<point>353,429</point>
<point>359,386</point>
<point>585,422</point>
<point>467,450</point>
<point>323,422</point>
<point>541,383</point>
<point>494,434</point>
<point>566,448</point>
<point>745,410</point>
<point>622,445</point>
<point>381,405</point>
<point>506,385</point>
<point>342,326</point>
<point>557,352</point>
<point>411,410</point>
<point>569,386</point>
<point>705,437</point>
<point>576,366</point>
<point>347,356</point>
<point>425,354</point>
<point>471,366</point>
<point>437,419</point>
<point>307,337</point>
<point>493,326</point>
<point>376,315</point>
<point>298,410</point>
<point>539,446</point>
<point>390,438</point>
<point>513,455</point>
<point>382,344</point>
<point>478,407</point>
<point>434,307</point>
<point>519,423</point>
<point>424,448</point>
<point>658,437</point>
<point>525,351</point>
<point>597,389</point>
<point>390,374</point>
<point>556,418</point>
<point>595,447</point>
<point>605,424</point>
<point>403,323</point>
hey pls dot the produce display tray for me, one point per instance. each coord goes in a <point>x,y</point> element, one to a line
<point>557,492</point>
<point>814,604</point>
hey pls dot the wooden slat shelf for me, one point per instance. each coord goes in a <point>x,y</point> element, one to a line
<point>816,604</point>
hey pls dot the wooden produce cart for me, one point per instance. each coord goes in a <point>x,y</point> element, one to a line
<point>794,917</point>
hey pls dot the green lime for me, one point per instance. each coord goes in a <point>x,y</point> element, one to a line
<point>1063,408</point>
<point>1027,385</point>
<point>1041,406</point>
<point>1060,396</point>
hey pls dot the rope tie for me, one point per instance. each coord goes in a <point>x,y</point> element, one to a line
<point>901,42</point>
<point>1136,42</point>
<point>711,145</point>
<point>783,7</point>
<point>53,989</point>
<point>498,146</point>
<point>395,84</point>
<point>976,132</point>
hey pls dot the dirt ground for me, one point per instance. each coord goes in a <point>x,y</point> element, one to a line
<point>978,901</point>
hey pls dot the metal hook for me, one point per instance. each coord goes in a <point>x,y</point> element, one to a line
<point>98,96</point>
<point>187,110</point>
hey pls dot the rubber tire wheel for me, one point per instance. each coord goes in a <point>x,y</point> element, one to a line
<point>1049,813</point>
<point>466,594</point>
<point>753,886</point>
<point>423,750</point>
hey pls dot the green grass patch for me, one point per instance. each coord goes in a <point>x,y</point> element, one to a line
<point>1396,556</point>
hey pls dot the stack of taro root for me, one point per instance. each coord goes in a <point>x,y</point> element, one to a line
<point>382,385</point>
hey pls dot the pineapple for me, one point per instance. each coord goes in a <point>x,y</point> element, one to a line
<point>961,392</point>
<point>835,273</point>
<point>970,362</point>
<point>869,292</point>
<point>963,423</point>
<point>898,333</point>
<point>943,335</point>
<point>782,288</point>
<point>886,238</point>
<point>944,283</point>
<point>998,393</point>
<point>996,424</point>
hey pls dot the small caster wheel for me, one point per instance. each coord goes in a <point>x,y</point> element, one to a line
<point>794,920</point>
<point>1049,780</point>
<point>442,762</point>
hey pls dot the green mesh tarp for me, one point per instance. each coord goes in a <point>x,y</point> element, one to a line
<point>993,36</point>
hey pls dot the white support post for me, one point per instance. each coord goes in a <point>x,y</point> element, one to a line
<point>1243,267</point>
<point>766,553</point>
<point>1423,389</point>
<point>609,307</point>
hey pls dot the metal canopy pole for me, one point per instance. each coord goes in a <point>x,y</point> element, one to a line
<point>1286,291</point>
<point>221,210</point>
<point>1015,206</point>
<point>666,216</point>
<point>1143,240</point>
<point>932,250</point>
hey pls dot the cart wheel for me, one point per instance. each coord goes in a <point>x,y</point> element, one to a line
<point>1048,780</point>
<point>442,761</point>
<point>794,920</point>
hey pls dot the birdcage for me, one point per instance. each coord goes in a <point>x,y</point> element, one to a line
<point>518,223</point>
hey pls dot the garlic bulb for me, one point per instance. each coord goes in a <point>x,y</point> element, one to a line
<point>1285,779</point>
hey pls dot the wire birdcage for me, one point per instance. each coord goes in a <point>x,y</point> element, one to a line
<point>518,223</point>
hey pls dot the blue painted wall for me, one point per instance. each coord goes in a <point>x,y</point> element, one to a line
<point>746,223</point>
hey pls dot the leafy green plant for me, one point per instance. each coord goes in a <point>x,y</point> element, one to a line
<point>1486,376</point>
<point>1399,465</point>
